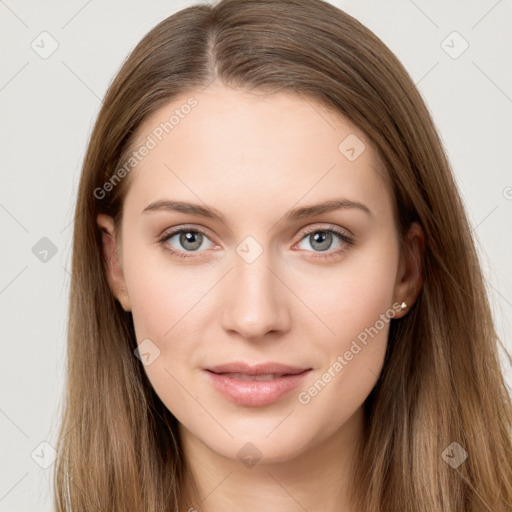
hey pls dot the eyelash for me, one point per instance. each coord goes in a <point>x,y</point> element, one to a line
<point>331,254</point>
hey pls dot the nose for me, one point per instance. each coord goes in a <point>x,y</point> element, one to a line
<point>256,300</point>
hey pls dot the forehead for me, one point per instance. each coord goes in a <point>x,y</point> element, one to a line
<point>255,149</point>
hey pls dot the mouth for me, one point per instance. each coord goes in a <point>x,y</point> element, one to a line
<point>271,368</point>
<point>262,377</point>
<point>255,388</point>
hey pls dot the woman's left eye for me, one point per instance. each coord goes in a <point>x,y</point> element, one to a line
<point>320,239</point>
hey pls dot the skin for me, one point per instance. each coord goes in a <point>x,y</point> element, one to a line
<point>254,157</point>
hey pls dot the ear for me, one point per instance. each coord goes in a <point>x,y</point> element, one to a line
<point>112,260</point>
<point>409,277</point>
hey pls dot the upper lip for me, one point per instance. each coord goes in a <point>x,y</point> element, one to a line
<point>259,369</point>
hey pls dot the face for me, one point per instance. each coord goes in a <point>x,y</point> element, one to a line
<point>266,279</point>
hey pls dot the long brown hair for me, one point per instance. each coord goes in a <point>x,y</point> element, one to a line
<point>441,383</point>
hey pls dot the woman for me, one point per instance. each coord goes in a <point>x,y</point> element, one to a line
<point>276,303</point>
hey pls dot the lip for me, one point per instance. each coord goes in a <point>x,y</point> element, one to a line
<point>258,369</point>
<point>255,393</point>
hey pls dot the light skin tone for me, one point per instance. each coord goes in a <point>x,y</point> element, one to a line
<point>253,157</point>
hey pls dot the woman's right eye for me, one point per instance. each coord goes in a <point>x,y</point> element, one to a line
<point>189,240</point>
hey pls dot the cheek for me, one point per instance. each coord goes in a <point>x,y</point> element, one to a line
<point>160,292</point>
<point>351,296</point>
<point>165,302</point>
<point>357,307</point>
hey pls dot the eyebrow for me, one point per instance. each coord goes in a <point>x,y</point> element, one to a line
<point>292,215</point>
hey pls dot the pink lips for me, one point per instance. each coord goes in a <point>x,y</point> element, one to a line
<point>255,385</point>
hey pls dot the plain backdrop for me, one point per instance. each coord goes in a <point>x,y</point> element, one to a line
<point>49,103</point>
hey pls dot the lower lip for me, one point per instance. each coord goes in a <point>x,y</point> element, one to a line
<point>254,393</point>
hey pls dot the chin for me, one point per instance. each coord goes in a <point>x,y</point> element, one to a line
<point>259,449</point>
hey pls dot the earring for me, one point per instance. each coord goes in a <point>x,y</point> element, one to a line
<point>403,305</point>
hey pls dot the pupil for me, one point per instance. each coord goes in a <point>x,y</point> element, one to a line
<point>321,237</point>
<point>189,237</point>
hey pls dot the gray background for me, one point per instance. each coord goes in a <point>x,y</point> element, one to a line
<point>48,106</point>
